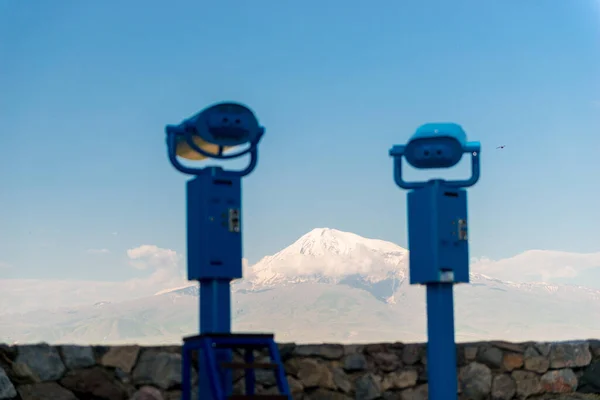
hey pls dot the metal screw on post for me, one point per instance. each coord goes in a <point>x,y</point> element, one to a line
<point>437,239</point>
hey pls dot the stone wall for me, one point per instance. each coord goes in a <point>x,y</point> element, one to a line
<point>490,370</point>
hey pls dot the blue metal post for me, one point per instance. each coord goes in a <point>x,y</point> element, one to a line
<point>441,347</point>
<point>215,317</point>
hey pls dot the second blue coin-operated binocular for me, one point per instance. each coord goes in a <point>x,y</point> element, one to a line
<point>438,239</point>
<point>436,145</point>
<point>437,212</point>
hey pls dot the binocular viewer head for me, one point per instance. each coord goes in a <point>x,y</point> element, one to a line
<point>436,145</point>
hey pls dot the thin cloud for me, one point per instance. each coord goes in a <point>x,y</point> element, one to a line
<point>539,266</point>
<point>114,233</point>
<point>151,256</point>
<point>98,251</point>
<point>164,264</point>
<point>159,269</point>
<point>4,265</point>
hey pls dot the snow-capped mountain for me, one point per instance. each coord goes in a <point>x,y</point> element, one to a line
<point>336,286</point>
<point>326,255</point>
<point>331,256</point>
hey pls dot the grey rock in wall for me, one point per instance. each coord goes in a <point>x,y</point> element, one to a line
<point>485,370</point>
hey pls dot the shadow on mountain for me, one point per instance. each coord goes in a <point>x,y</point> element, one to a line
<point>187,291</point>
<point>195,291</point>
<point>486,286</point>
<point>381,290</point>
<point>244,291</point>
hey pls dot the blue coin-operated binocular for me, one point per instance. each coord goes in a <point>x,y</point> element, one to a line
<point>437,145</point>
<point>437,213</point>
<point>214,230</point>
<point>438,239</point>
<point>213,131</point>
<point>214,196</point>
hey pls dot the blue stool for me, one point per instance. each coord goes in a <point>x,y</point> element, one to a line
<point>208,345</point>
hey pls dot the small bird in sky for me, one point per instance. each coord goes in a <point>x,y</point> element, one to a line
<point>501,147</point>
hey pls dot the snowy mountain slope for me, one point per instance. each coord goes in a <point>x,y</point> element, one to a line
<point>331,255</point>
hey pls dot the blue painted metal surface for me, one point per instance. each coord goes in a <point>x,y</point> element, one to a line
<point>215,317</point>
<point>211,344</point>
<point>437,234</point>
<point>221,126</point>
<point>214,240</point>
<point>214,234</point>
<point>438,239</point>
<point>441,347</point>
<point>436,146</point>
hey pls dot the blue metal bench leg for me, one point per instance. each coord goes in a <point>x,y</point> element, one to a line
<point>186,376</point>
<point>280,377</point>
<point>250,377</point>
<point>211,374</point>
<point>225,375</point>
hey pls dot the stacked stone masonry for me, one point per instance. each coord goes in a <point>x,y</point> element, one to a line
<point>487,370</point>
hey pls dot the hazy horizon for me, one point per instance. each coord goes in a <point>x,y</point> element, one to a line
<point>166,270</point>
<point>326,278</point>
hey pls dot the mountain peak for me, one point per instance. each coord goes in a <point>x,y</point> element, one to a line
<point>323,241</point>
<point>330,255</point>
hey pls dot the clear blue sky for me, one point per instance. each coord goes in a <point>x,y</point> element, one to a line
<point>87,87</point>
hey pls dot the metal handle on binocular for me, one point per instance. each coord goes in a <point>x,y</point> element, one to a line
<point>474,148</point>
<point>177,131</point>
